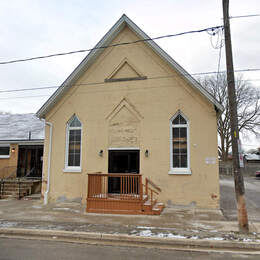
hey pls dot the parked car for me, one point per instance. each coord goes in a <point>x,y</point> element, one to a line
<point>257,174</point>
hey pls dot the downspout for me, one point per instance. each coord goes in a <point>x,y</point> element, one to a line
<point>46,193</point>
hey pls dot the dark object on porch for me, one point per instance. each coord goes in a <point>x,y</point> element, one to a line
<point>30,161</point>
<point>131,196</point>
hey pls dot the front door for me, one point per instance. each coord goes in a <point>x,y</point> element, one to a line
<point>121,161</point>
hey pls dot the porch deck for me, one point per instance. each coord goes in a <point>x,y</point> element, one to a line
<point>122,194</point>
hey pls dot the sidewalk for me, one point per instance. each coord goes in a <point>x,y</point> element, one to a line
<point>179,225</point>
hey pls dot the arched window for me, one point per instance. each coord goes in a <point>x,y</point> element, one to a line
<point>179,144</point>
<point>73,144</point>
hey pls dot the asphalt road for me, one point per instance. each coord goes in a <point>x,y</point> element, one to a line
<point>252,195</point>
<point>20,249</point>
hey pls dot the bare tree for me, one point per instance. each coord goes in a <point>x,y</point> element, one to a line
<point>248,108</point>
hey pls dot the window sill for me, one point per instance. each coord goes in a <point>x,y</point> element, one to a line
<point>179,172</point>
<point>72,169</point>
<point>4,156</point>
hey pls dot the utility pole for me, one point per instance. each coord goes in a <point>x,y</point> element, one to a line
<point>238,177</point>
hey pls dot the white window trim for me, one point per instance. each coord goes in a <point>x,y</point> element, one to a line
<point>5,156</point>
<point>123,148</point>
<point>180,171</point>
<point>68,128</point>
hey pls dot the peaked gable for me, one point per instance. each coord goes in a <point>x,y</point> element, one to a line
<point>99,48</point>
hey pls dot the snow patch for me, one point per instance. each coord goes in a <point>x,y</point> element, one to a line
<point>67,209</point>
<point>146,233</point>
<point>247,240</point>
<point>61,209</point>
<point>175,236</point>
<point>144,227</point>
<point>7,224</point>
<point>200,225</point>
<point>215,238</point>
<point>36,207</point>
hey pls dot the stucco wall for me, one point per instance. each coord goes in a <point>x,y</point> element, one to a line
<point>8,165</point>
<point>151,103</point>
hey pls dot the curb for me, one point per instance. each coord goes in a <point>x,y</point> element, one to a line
<point>130,240</point>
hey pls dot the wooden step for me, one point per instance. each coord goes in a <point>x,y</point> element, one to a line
<point>158,208</point>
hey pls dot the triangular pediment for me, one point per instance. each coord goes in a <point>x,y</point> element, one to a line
<point>125,71</point>
<point>125,104</point>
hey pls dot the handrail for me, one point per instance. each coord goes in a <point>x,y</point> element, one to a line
<point>152,184</point>
<point>153,190</point>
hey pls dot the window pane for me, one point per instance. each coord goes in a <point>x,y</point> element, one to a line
<point>183,161</point>
<point>71,160</point>
<point>176,161</point>
<point>175,132</point>
<point>77,159</point>
<point>182,120</point>
<point>74,148</point>
<point>183,132</point>
<point>179,120</point>
<point>4,150</point>
<point>179,147</point>
<point>75,122</point>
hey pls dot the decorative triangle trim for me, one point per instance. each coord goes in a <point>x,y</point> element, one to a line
<point>125,62</point>
<point>125,103</point>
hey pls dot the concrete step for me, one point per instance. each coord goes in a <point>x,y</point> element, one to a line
<point>10,188</point>
<point>11,196</point>
<point>7,184</point>
<point>27,192</point>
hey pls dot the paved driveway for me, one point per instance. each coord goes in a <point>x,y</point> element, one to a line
<point>252,195</point>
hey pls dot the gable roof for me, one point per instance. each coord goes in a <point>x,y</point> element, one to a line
<point>97,50</point>
<point>16,127</point>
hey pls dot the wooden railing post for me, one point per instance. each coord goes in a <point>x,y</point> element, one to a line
<point>146,186</point>
<point>141,187</point>
<point>88,185</point>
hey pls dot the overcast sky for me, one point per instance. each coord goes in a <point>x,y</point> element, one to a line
<point>34,27</point>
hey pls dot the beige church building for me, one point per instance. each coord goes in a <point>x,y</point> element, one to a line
<point>127,124</point>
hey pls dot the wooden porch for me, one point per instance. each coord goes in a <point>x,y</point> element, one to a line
<point>122,194</point>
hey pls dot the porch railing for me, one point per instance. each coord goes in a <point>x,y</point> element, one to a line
<point>120,192</point>
<point>118,186</point>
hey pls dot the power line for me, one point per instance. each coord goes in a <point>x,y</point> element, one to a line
<point>150,78</point>
<point>209,29</point>
<point>26,89</point>
<point>25,97</point>
<point>244,16</point>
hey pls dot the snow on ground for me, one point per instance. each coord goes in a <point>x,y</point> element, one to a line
<point>62,209</point>
<point>67,209</point>
<point>36,207</point>
<point>215,238</point>
<point>7,224</point>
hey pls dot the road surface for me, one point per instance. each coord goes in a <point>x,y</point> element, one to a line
<point>13,249</point>
<point>252,195</point>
